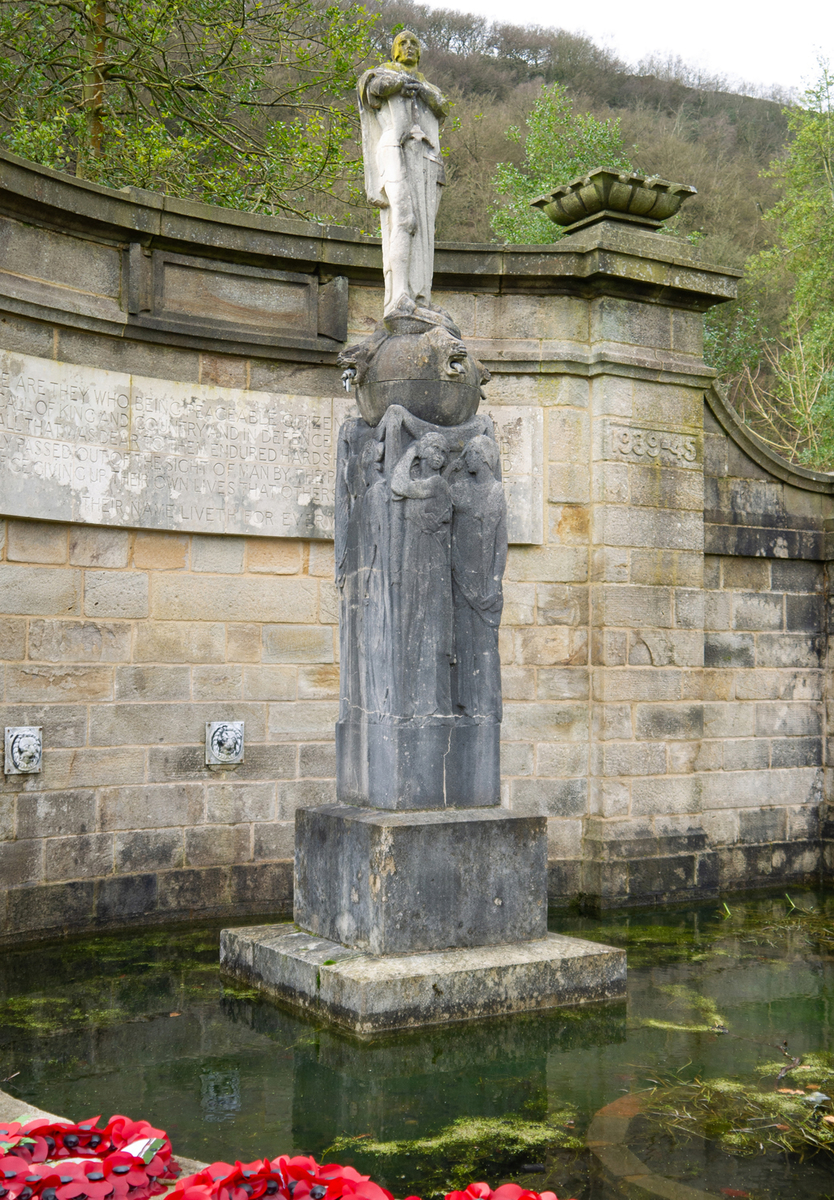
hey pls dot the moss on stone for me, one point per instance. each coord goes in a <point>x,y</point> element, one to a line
<point>489,1148</point>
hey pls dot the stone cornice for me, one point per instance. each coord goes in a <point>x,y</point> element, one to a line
<point>606,259</point>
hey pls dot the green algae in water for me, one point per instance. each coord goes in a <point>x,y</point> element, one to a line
<point>741,1117</point>
<point>649,941</point>
<point>686,998</point>
<point>467,1150</point>
<point>108,979</point>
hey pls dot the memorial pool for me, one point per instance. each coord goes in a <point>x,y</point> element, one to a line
<point>142,1023</point>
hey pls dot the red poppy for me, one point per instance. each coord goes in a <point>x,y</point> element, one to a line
<point>91,1140</point>
<point>72,1181</point>
<point>367,1190</point>
<point>98,1185</point>
<point>196,1191</point>
<point>13,1172</point>
<point>11,1132</point>
<point>474,1191</point>
<point>512,1191</point>
<point>124,1133</point>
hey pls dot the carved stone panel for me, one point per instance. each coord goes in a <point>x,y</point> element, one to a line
<point>224,743</point>
<point>644,445</point>
<point>107,448</point>
<point>233,301</point>
<point>421,545</point>
<point>519,431</point>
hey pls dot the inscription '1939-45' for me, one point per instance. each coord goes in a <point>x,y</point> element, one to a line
<point>82,444</point>
<point>667,447</point>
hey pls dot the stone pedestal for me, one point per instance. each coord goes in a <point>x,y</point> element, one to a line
<point>418,918</point>
<point>370,994</point>
<point>398,883</point>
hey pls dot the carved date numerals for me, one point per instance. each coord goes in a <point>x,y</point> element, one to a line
<point>645,445</point>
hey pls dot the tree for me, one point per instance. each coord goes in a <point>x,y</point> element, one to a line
<point>235,102</point>
<point>559,145</point>
<point>791,401</point>
<point>804,214</point>
<point>788,399</point>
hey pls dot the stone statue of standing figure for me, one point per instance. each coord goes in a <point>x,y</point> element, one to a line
<point>421,529</point>
<point>401,114</point>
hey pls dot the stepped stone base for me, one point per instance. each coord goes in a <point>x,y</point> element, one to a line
<point>368,994</point>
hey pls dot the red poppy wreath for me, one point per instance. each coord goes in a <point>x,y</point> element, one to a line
<point>130,1160</point>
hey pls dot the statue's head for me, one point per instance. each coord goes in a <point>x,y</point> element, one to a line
<point>431,448</point>
<point>406,49</point>
<point>371,459</point>
<point>478,450</point>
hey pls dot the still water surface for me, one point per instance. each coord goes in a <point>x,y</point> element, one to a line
<point>143,1024</point>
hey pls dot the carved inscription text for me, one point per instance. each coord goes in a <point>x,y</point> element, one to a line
<point>106,448</point>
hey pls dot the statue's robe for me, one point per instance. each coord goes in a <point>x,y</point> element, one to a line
<point>403,175</point>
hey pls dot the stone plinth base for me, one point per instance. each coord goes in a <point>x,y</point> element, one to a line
<point>369,994</point>
<point>402,882</point>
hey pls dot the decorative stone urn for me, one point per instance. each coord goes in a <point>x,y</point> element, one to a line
<point>605,195</point>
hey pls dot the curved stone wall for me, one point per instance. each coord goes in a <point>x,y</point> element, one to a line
<point>168,395</point>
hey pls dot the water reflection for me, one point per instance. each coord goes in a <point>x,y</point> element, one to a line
<point>142,1023</point>
<point>220,1094</point>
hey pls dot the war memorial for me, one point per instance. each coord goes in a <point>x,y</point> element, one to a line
<point>406,588</point>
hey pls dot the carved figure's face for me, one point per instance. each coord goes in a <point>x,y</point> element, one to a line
<point>480,452</point>
<point>432,450</point>
<point>406,49</point>
<point>474,458</point>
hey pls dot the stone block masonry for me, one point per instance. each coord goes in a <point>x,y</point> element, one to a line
<point>126,821</point>
<point>664,642</point>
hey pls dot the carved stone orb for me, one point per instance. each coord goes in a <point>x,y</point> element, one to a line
<point>431,374</point>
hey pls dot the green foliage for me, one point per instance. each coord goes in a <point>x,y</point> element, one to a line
<point>790,401</point>
<point>231,102</point>
<point>559,145</point>
<point>733,336</point>
<point>804,214</point>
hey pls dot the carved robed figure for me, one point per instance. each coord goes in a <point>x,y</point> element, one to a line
<point>421,548</point>
<point>401,115</point>
<point>421,530</point>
